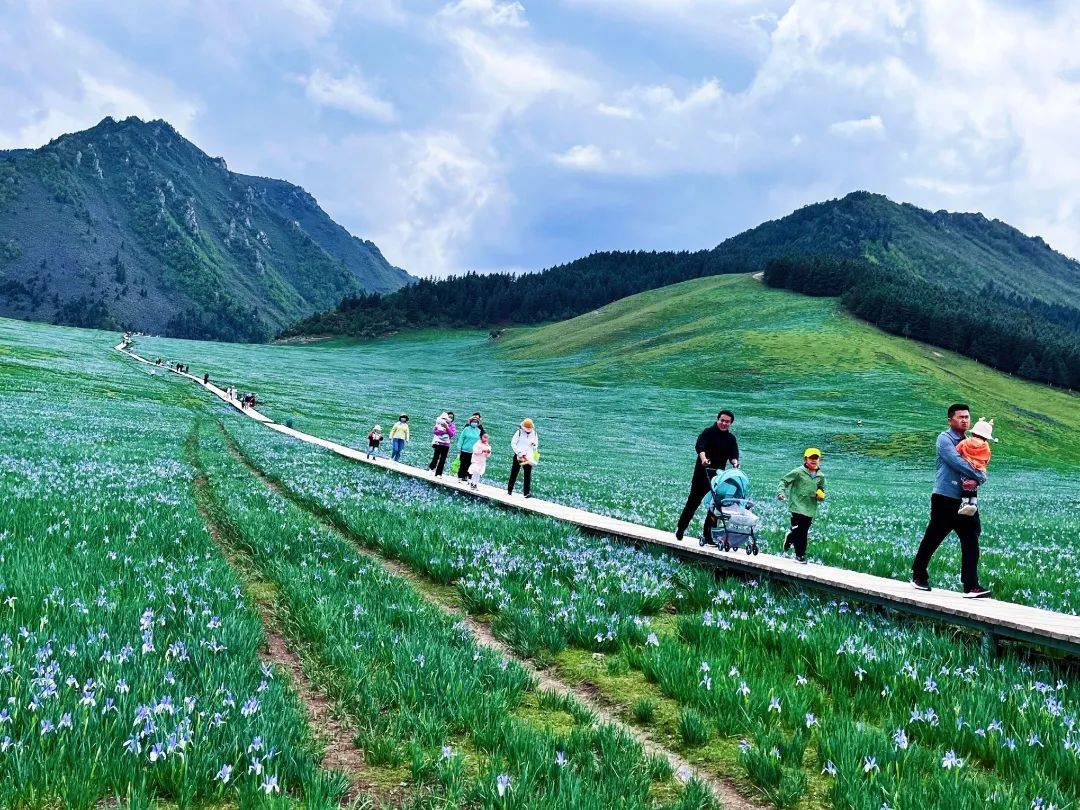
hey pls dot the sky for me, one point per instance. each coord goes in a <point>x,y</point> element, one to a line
<point>517,134</point>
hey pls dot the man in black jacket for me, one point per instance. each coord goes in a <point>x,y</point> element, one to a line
<point>715,447</point>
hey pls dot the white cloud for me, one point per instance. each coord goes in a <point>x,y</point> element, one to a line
<point>583,156</point>
<point>707,93</point>
<point>616,111</point>
<point>871,126</point>
<point>726,25</point>
<point>349,92</point>
<point>55,80</point>
<point>318,13</point>
<point>488,12</point>
<point>441,187</point>
<point>512,74</point>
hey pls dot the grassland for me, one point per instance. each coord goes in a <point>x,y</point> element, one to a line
<point>619,396</point>
<point>142,570</point>
<point>794,700</point>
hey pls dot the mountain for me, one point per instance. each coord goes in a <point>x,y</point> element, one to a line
<point>908,270</point>
<point>967,251</point>
<point>130,225</point>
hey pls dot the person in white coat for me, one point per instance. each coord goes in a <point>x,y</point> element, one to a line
<point>526,453</point>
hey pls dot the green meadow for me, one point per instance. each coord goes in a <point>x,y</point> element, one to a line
<point>154,540</point>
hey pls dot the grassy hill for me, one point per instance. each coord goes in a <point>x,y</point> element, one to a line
<point>731,333</point>
<point>871,236</point>
<point>966,251</point>
<point>129,225</point>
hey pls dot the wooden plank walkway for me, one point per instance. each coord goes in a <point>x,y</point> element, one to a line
<point>995,618</point>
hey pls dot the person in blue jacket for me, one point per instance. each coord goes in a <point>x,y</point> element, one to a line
<point>944,503</point>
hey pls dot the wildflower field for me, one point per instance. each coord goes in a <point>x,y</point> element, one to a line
<point>154,545</point>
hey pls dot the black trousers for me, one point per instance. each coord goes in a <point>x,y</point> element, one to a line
<point>527,481</point>
<point>699,486</point>
<point>797,534</point>
<point>463,465</point>
<point>943,520</point>
<point>438,458</point>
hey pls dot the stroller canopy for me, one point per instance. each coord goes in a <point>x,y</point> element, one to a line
<point>731,485</point>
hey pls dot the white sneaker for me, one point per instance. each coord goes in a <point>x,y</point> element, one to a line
<point>967,509</point>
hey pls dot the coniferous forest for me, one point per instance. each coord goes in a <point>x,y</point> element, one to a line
<point>1034,340</point>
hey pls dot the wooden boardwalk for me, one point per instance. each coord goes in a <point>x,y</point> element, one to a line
<point>995,618</point>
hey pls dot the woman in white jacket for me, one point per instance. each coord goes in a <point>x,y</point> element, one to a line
<point>524,444</point>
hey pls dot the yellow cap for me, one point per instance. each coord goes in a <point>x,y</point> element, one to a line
<point>811,451</point>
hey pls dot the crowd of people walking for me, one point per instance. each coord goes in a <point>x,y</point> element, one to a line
<point>471,446</point>
<point>960,469</point>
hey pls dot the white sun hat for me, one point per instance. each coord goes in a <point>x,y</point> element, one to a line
<point>984,429</point>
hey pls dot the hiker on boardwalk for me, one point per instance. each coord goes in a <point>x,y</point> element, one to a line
<point>442,436</point>
<point>945,504</point>
<point>803,488</point>
<point>374,439</point>
<point>399,434</point>
<point>481,452</point>
<point>526,453</point>
<point>469,436</point>
<point>715,447</point>
<point>206,378</point>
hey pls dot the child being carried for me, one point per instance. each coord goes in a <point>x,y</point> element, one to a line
<point>975,450</point>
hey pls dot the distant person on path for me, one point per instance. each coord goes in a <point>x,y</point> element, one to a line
<point>206,378</point>
<point>399,434</point>
<point>975,450</point>
<point>945,504</point>
<point>525,445</point>
<point>481,452</point>
<point>468,437</point>
<point>715,447</point>
<point>442,436</point>
<point>803,488</point>
<point>374,439</point>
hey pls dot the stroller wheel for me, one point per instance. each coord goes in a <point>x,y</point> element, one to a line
<point>755,549</point>
<point>726,546</point>
<point>749,549</point>
<point>701,541</point>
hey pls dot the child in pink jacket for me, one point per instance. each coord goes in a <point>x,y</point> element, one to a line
<point>481,452</point>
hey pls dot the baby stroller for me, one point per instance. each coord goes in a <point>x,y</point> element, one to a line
<point>730,521</point>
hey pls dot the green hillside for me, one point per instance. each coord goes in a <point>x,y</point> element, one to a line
<point>129,225</point>
<point>732,333</point>
<point>961,251</point>
<point>964,250</point>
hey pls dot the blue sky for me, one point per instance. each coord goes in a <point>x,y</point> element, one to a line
<point>486,134</point>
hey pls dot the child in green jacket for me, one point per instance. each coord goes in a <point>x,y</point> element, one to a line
<point>803,488</point>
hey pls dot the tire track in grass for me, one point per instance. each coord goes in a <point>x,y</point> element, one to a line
<point>339,751</point>
<point>724,792</point>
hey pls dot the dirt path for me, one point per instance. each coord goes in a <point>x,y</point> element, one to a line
<point>725,793</point>
<point>339,751</point>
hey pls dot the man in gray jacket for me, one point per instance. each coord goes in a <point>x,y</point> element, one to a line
<point>944,503</point>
